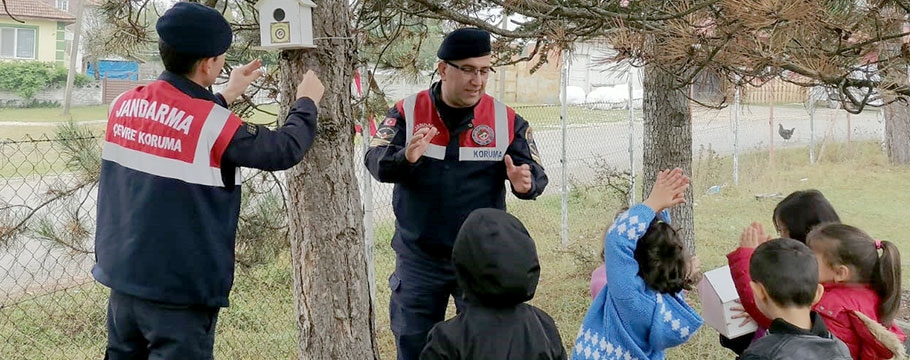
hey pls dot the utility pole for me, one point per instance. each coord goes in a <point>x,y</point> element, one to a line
<point>74,52</point>
<point>502,71</point>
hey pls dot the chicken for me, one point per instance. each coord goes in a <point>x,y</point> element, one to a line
<point>784,133</point>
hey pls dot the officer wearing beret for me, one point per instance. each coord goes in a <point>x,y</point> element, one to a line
<point>448,150</point>
<point>169,190</point>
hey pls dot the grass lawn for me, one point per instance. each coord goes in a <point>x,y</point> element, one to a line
<point>79,113</point>
<point>88,113</point>
<point>260,322</point>
<point>545,116</point>
<point>26,150</point>
<point>540,116</point>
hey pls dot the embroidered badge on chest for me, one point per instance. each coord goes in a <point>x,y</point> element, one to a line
<point>482,135</point>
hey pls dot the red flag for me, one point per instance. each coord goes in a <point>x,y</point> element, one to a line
<point>358,128</point>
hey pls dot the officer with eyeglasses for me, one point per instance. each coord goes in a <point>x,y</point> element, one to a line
<point>448,150</point>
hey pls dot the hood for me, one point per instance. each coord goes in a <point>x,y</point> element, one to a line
<point>495,259</point>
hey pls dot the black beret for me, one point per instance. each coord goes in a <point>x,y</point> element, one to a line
<point>194,29</point>
<point>464,44</point>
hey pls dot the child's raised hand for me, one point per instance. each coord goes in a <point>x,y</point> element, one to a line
<point>669,190</point>
<point>753,236</point>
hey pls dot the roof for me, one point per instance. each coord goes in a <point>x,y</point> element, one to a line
<point>307,3</point>
<point>722,282</point>
<point>35,9</point>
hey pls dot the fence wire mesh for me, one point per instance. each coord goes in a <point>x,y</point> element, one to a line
<point>50,308</point>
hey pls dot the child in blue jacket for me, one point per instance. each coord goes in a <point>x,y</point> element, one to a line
<point>641,312</point>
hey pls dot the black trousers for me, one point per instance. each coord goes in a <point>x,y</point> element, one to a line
<point>143,329</point>
<point>738,344</point>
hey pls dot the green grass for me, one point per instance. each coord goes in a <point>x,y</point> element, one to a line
<point>543,116</point>
<point>87,113</point>
<point>539,116</point>
<point>26,150</point>
<point>80,113</point>
<point>260,322</point>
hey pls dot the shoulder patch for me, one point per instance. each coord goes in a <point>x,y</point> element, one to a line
<point>251,128</point>
<point>383,136</point>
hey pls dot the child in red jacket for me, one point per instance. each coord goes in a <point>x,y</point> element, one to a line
<point>862,289</point>
<point>862,280</point>
<point>793,217</point>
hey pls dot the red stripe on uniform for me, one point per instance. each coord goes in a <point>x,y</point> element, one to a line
<point>424,109</point>
<point>224,138</point>
<point>511,117</point>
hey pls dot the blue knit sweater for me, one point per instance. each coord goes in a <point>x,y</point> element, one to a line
<point>628,320</point>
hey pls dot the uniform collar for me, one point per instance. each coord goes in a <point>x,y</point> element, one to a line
<point>781,326</point>
<point>454,118</point>
<point>187,86</point>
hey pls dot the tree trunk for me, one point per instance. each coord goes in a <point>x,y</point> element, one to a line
<point>897,133</point>
<point>334,312</point>
<point>667,142</point>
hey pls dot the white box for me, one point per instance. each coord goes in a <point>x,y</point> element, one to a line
<point>718,295</point>
<point>285,24</point>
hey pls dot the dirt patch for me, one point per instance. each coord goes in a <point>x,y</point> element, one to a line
<point>904,313</point>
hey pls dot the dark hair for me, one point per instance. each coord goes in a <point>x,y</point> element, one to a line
<point>176,62</point>
<point>662,259</point>
<point>788,270</point>
<point>801,211</point>
<point>847,245</point>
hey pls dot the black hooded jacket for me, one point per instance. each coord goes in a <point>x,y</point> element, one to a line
<point>496,267</point>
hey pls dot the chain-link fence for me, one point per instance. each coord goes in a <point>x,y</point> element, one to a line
<point>51,309</point>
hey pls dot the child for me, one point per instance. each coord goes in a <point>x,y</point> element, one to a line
<point>785,283</point>
<point>793,217</point>
<point>599,275</point>
<point>799,212</point>
<point>641,312</point>
<point>862,289</point>
<point>496,267</point>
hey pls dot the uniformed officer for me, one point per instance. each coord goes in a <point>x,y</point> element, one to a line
<point>169,191</point>
<point>449,150</point>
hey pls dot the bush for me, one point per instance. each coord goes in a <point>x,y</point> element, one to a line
<point>27,78</point>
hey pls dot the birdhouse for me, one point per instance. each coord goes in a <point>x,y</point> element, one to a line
<point>285,24</point>
<point>718,295</point>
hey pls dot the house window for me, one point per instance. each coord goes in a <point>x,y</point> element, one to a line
<point>63,5</point>
<point>16,43</point>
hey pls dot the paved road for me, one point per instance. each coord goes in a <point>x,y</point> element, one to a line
<point>31,266</point>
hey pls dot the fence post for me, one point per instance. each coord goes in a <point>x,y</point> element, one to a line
<point>884,134</point>
<point>811,128</point>
<point>367,183</point>
<point>736,110</point>
<point>849,132</point>
<point>564,79</point>
<point>771,124</point>
<point>631,140</point>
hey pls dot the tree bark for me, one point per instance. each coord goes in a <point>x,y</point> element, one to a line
<point>334,313</point>
<point>897,133</point>
<point>667,142</point>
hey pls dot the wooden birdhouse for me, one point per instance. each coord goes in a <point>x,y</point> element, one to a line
<point>286,24</point>
<point>718,295</point>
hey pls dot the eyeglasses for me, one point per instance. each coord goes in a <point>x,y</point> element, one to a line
<point>471,71</point>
